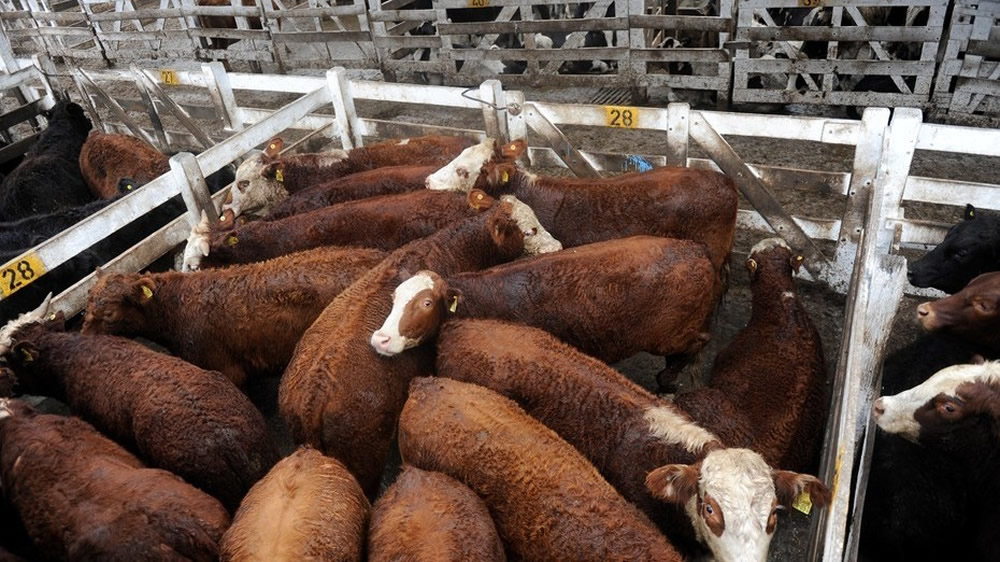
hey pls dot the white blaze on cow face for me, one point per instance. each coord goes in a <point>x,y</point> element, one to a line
<point>387,340</point>
<point>537,240</point>
<point>742,487</point>
<point>897,414</point>
<point>5,410</point>
<point>198,245</point>
<point>254,192</point>
<point>8,331</point>
<point>461,173</point>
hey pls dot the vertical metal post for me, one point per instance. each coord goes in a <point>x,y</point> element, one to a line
<point>343,104</point>
<point>677,134</point>
<point>222,94</point>
<point>494,110</point>
<point>194,190</point>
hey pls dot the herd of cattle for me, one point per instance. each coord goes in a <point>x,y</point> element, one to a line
<point>432,295</point>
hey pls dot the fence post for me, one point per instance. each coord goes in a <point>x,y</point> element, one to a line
<point>895,167</point>
<point>343,104</point>
<point>677,134</point>
<point>194,190</point>
<point>494,110</point>
<point>222,94</point>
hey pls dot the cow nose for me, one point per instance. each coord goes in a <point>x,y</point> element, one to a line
<point>427,183</point>
<point>380,340</point>
<point>878,409</point>
<point>924,309</point>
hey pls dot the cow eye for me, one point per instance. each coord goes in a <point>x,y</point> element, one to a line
<point>708,509</point>
<point>949,408</point>
<point>427,303</point>
<point>534,230</point>
<point>242,185</point>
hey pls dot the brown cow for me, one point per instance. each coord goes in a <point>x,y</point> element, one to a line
<point>192,422</point>
<point>427,516</point>
<point>82,497</point>
<point>106,159</point>
<point>267,178</point>
<point>697,205</point>
<point>547,500</point>
<point>385,223</point>
<point>337,394</point>
<point>972,313</point>
<point>610,299</point>
<point>771,375</point>
<point>242,321</point>
<point>621,428</point>
<point>308,507</point>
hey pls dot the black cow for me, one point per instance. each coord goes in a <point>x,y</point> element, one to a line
<point>49,177</point>
<point>971,248</point>
<point>920,502</point>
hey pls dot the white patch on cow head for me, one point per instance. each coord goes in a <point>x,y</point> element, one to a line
<point>896,414</point>
<point>767,244</point>
<point>403,142</point>
<point>5,409</point>
<point>8,331</point>
<point>198,245</point>
<point>673,428</point>
<point>254,192</point>
<point>387,340</point>
<point>537,240</point>
<point>741,483</point>
<point>461,173</point>
<point>788,295</point>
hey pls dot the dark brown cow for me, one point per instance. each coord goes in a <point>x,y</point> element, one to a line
<point>610,299</point>
<point>547,500</point>
<point>82,497</point>
<point>624,430</point>
<point>777,359</point>
<point>267,178</point>
<point>972,313</point>
<point>192,422</point>
<point>385,223</point>
<point>429,516</point>
<point>106,159</point>
<point>682,203</point>
<point>337,394</point>
<point>308,507</point>
<point>242,321</point>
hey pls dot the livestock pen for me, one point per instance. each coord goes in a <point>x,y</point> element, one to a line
<point>846,219</point>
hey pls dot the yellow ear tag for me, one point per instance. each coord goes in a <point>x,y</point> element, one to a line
<point>505,177</point>
<point>279,176</point>
<point>454,304</point>
<point>52,316</point>
<point>128,187</point>
<point>272,146</point>
<point>147,292</point>
<point>232,240</point>
<point>798,258</point>
<point>222,218</point>
<point>803,503</point>
<point>513,147</point>
<point>972,213</point>
<point>28,357</point>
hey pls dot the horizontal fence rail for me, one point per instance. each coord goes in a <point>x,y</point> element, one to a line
<point>939,55</point>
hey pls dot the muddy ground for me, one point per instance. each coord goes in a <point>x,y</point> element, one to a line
<point>824,306</point>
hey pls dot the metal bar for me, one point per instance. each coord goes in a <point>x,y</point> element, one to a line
<point>558,141</point>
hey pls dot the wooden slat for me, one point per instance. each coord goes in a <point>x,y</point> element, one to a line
<point>687,23</point>
<point>535,26</point>
<point>321,36</point>
<point>814,33</point>
<point>680,55</point>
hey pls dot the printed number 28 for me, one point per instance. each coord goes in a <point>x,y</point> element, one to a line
<point>13,278</point>
<point>622,117</point>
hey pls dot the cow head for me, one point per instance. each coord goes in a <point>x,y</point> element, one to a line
<point>8,332</point>
<point>199,242</point>
<point>972,313</point>
<point>259,181</point>
<point>474,164</point>
<point>732,498</point>
<point>419,305</point>
<point>970,248</point>
<point>71,113</point>
<point>772,256</point>
<point>954,400</point>
<point>116,303</point>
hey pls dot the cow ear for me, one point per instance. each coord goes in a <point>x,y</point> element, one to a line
<point>142,290</point>
<point>970,213</point>
<point>24,352</point>
<point>452,296</point>
<point>479,200</point>
<point>796,261</point>
<point>501,174</point>
<point>788,486</point>
<point>674,483</point>
<point>513,150</point>
<point>977,359</point>
<point>274,171</point>
<point>273,148</point>
<point>99,272</point>
<point>503,225</point>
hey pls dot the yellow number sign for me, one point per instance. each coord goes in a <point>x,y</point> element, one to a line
<point>479,3</point>
<point>169,77</point>
<point>810,3</point>
<point>621,117</point>
<point>20,273</point>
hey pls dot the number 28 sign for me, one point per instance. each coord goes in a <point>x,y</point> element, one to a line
<point>20,273</point>
<point>621,117</point>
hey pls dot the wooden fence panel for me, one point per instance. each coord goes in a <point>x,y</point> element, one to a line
<point>313,33</point>
<point>968,80</point>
